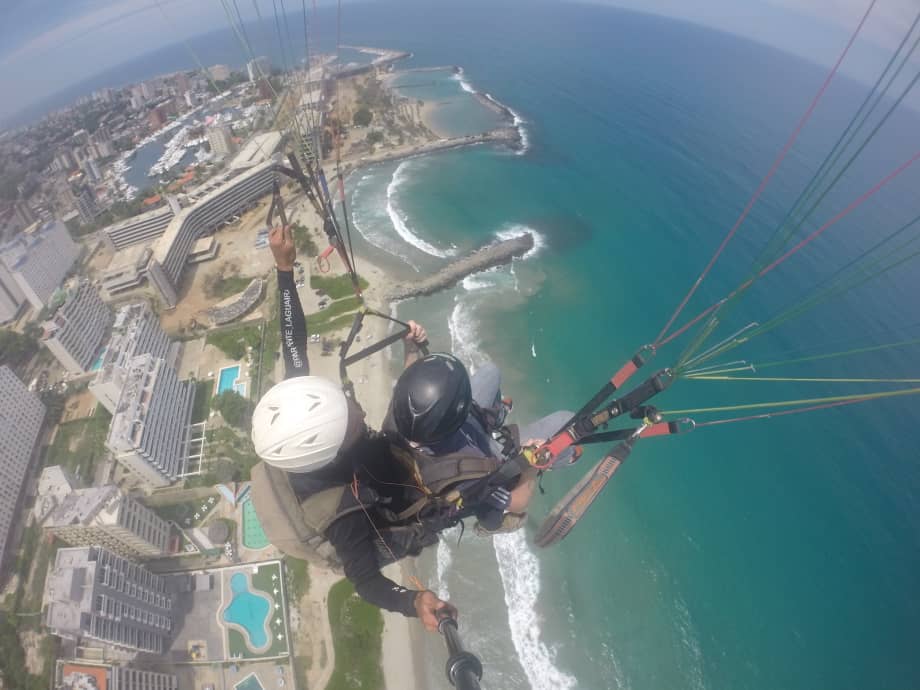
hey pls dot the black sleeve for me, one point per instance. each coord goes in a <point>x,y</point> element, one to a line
<point>353,539</point>
<point>293,328</point>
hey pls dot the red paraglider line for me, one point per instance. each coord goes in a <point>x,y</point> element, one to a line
<point>766,179</point>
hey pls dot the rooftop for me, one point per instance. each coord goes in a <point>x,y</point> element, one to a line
<point>78,677</point>
<point>259,149</point>
<point>96,506</point>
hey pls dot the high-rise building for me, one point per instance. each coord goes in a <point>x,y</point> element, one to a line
<point>15,217</point>
<point>85,202</point>
<point>82,675</point>
<point>91,169</point>
<point>259,68</point>
<point>97,596</point>
<point>63,161</point>
<point>79,327</point>
<point>183,85</point>
<point>104,516</point>
<point>136,331</point>
<point>54,485</point>
<point>221,141</point>
<point>149,430</point>
<point>37,260</point>
<point>156,118</point>
<point>11,298</point>
<point>21,417</point>
<point>219,72</point>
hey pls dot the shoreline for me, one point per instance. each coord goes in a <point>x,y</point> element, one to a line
<point>403,640</point>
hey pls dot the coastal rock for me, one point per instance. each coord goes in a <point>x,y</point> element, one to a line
<point>492,255</point>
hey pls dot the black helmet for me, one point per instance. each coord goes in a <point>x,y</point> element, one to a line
<point>432,398</point>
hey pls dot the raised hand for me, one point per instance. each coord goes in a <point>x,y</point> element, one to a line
<point>281,242</point>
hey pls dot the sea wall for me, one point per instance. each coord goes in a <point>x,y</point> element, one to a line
<point>487,257</point>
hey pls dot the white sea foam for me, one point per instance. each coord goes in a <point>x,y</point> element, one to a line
<point>516,230</point>
<point>691,644</point>
<point>476,282</point>
<point>398,218</point>
<point>518,565</point>
<point>445,558</point>
<point>518,123</point>
<point>464,84</point>
<point>369,219</point>
<point>520,573</point>
<point>463,336</point>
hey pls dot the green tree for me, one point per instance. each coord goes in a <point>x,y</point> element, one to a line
<point>234,408</point>
<point>362,117</point>
<point>15,348</point>
<point>302,240</point>
<point>374,137</point>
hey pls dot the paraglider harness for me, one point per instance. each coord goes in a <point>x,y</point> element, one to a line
<point>442,491</point>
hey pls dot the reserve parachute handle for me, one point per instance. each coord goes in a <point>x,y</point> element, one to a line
<point>463,668</point>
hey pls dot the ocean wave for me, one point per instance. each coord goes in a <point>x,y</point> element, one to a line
<point>463,336</point>
<point>476,282</point>
<point>464,84</point>
<point>516,230</point>
<point>520,573</point>
<point>398,219</point>
<point>518,566</point>
<point>371,223</point>
<point>445,558</point>
<point>516,121</point>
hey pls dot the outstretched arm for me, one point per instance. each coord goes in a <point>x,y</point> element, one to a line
<point>353,539</point>
<point>293,322</point>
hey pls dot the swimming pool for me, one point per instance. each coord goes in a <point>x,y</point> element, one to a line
<point>228,376</point>
<point>249,611</point>
<point>98,363</point>
<point>253,534</point>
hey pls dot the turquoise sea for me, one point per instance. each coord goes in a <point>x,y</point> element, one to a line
<point>780,553</point>
<point>772,554</point>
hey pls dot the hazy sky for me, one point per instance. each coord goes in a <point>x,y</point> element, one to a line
<point>45,45</point>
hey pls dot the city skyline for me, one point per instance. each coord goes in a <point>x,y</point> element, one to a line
<point>67,44</point>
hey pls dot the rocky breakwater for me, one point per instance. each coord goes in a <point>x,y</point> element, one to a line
<point>482,259</point>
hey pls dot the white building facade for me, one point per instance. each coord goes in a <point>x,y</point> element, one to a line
<point>104,516</point>
<point>259,68</point>
<point>149,430</point>
<point>97,596</point>
<point>37,261</point>
<point>21,418</point>
<point>78,329</point>
<point>135,331</point>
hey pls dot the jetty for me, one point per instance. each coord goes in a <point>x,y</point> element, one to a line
<point>506,135</point>
<point>490,256</point>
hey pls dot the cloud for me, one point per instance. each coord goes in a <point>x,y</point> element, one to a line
<point>886,25</point>
<point>82,26</point>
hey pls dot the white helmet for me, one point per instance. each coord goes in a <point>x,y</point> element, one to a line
<point>300,423</point>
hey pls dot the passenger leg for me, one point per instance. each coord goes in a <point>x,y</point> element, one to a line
<point>486,384</point>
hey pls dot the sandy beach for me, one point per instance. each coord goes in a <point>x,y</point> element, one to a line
<point>373,384</point>
<point>403,664</point>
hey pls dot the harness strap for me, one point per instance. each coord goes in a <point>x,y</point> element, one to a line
<point>413,509</point>
<point>447,470</point>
